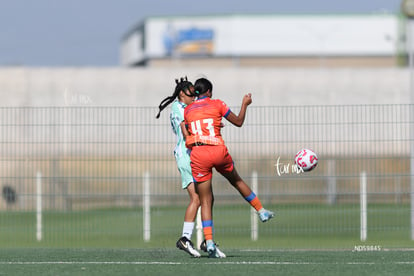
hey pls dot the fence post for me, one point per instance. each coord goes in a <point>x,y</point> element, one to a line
<point>253,216</point>
<point>146,201</point>
<point>363,205</point>
<point>39,206</point>
<point>331,196</point>
<point>199,228</point>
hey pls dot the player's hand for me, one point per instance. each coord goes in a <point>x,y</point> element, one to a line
<point>247,99</point>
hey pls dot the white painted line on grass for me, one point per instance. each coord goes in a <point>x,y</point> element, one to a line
<point>186,263</point>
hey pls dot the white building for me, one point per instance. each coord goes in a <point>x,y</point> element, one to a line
<point>274,40</point>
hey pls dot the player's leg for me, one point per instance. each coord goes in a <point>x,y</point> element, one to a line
<point>226,167</point>
<point>191,211</point>
<point>205,192</point>
<point>185,243</point>
<point>237,182</point>
<point>201,166</point>
<point>204,189</point>
<point>201,169</point>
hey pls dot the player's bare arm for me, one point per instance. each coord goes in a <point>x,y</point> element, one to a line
<point>184,130</point>
<point>238,120</point>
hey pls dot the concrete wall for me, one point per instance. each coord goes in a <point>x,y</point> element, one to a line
<point>21,86</point>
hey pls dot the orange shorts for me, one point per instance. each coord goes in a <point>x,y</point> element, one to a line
<point>205,158</point>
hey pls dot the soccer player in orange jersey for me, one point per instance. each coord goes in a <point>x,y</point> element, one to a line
<point>203,135</point>
<point>182,96</point>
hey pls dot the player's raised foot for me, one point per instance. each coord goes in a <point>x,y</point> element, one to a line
<point>203,247</point>
<point>265,215</point>
<point>185,244</point>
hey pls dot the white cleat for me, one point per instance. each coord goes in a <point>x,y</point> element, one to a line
<point>185,244</point>
<point>265,215</point>
<point>217,254</point>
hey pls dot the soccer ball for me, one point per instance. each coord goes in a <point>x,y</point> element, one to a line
<point>306,159</point>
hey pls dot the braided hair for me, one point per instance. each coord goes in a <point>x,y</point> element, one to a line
<point>181,85</point>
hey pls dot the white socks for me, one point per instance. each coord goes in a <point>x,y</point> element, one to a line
<point>188,228</point>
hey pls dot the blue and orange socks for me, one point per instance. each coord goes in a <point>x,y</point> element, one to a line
<point>208,229</point>
<point>254,201</point>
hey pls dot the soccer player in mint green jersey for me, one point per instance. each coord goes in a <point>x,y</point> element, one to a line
<point>184,95</point>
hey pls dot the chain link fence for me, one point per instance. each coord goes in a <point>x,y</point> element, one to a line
<point>94,159</point>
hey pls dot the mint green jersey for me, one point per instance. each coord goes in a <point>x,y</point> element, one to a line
<point>176,117</point>
<point>181,152</point>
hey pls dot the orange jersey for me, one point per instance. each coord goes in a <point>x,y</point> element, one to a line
<point>203,119</point>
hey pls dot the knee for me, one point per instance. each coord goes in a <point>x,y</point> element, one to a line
<point>207,200</point>
<point>195,201</point>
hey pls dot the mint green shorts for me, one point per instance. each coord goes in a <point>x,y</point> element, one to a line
<point>184,167</point>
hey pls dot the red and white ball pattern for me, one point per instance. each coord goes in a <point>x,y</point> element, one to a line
<point>306,159</point>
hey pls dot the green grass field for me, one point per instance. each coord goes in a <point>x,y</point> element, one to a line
<point>174,262</point>
<point>303,239</point>
<point>312,226</point>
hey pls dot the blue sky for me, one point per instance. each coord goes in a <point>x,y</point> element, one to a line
<point>88,32</point>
